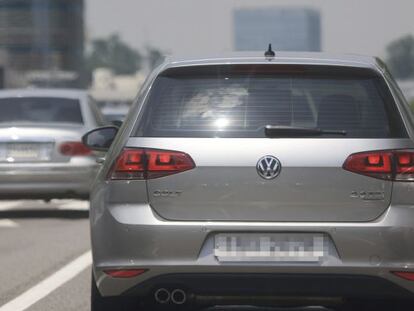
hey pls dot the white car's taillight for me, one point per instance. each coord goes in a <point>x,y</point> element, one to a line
<point>74,148</point>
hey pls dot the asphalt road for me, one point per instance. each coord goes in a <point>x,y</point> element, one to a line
<point>44,256</point>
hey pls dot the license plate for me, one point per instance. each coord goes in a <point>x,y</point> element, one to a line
<point>27,151</point>
<point>275,247</point>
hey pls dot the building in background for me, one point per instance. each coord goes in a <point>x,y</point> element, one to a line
<point>43,40</point>
<point>286,28</point>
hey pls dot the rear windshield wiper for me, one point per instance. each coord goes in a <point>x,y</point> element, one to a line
<point>288,131</point>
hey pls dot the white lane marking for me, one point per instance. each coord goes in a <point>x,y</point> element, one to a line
<point>74,205</point>
<point>6,205</point>
<point>45,287</point>
<point>7,223</point>
<point>78,205</point>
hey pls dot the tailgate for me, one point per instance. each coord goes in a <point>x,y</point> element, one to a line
<point>311,186</point>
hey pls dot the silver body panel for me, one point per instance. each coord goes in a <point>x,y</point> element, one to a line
<point>312,185</point>
<point>139,238</point>
<point>133,228</point>
<point>56,175</point>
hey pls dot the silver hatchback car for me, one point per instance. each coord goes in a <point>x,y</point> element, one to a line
<point>41,152</point>
<point>282,180</point>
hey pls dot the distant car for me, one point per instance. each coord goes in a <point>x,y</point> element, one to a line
<point>41,153</point>
<point>258,180</point>
<point>115,113</point>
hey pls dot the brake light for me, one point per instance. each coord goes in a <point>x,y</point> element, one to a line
<point>129,273</point>
<point>129,165</point>
<point>395,165</point>
<point>74,148</point>
<point>405,164</point>
<point>405,275</point>
<point>149,163</point>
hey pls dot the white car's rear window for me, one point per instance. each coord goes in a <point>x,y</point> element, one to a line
<point>40,110</point>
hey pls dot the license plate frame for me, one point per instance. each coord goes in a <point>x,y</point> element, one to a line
<point>20,152</point>
<point>271,247</point>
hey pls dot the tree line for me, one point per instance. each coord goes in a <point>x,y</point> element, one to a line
<point>112,52</point>
<point>400,57</point>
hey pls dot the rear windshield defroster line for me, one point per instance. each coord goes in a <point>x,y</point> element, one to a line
<point>239,101</point>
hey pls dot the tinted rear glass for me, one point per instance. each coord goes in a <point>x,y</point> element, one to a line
<point>40,110</point>
<point>239,101</point>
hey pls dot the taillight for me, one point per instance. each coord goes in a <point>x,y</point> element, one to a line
<point>407,275</point>
<point>126,273</point>
<point>405,165</point>
<point>74,148</point>
<point>149,163</point>
<point>395,165</point>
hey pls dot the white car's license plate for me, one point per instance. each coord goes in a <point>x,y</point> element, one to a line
<point>28,151</point>
<point>273,247</point>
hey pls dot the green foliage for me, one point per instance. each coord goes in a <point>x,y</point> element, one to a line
<point>155,57</point>
<point>412,105</point>
<point>114,54</point>
<point>401,57</point>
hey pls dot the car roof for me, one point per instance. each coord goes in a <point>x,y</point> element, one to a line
<point>64,93</point>
<point>302,58</point>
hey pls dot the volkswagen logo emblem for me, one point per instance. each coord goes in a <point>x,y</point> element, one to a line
<point>268,167</point>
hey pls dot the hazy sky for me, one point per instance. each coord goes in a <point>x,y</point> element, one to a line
<point>195,26</point>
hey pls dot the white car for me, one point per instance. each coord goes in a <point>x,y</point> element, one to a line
<point>41,153</point>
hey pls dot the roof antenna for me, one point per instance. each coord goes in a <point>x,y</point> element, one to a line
<point>269,54</point>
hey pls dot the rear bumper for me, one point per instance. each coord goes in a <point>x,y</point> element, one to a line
<point>218,286</point>
<point>47,180</point>
<point>133,236</point>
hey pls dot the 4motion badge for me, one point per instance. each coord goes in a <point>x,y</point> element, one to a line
<point>166,193</point>
<point>368,195</point>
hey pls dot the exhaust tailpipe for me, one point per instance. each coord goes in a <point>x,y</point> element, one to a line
<point>178,296</point>
<point>162,296</point>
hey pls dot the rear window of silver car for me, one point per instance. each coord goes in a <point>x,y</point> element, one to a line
<point>240,100</point>
<point>40,110</point>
